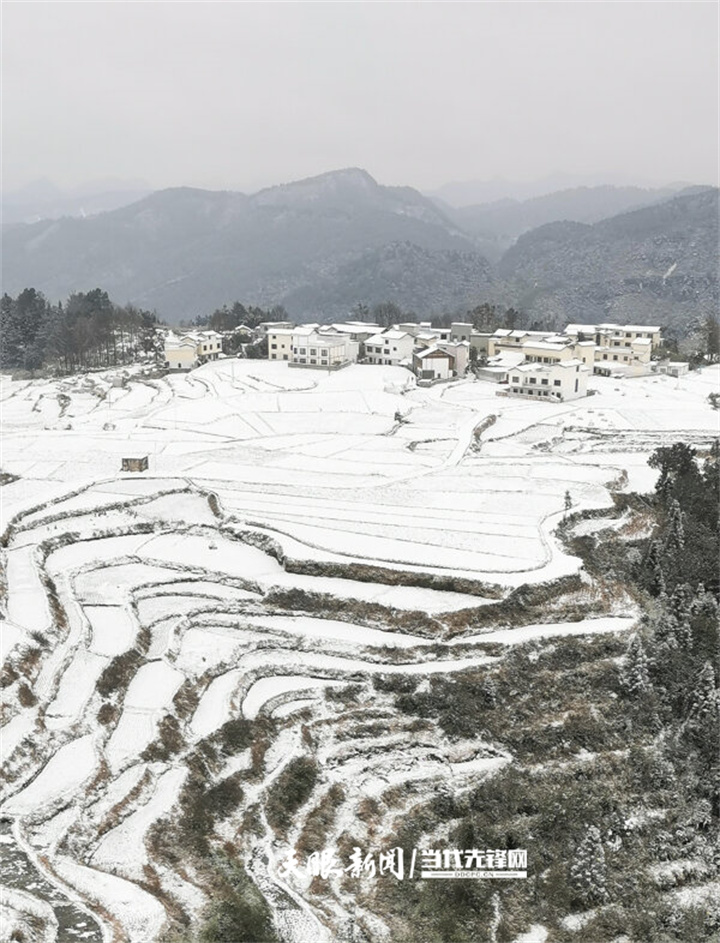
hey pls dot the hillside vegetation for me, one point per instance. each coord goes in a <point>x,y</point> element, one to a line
<point>323,245</point>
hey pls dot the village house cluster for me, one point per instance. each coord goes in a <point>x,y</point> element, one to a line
<point>192,348</point>
<point>538,364</point>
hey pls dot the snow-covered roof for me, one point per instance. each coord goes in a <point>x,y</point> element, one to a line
<point>609,326</point>
<point>507,359</point>
<point>502,332</point>
<point>354,327</point>
<point>545,345</point>
<point>434,352</point>
<point>387,336</point>
<point>547,367</point>
<point>582,328</point>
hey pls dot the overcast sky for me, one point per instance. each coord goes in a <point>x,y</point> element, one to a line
<point>241,95</point>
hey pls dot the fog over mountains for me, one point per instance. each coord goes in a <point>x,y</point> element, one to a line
<point>321,245</point>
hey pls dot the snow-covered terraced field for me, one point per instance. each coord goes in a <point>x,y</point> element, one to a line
<point>292,541</point>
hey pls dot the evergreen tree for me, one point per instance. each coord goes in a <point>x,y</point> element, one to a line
<point>635,677</point>
<point>680,601</point>
<point>675,540</point>
<point>588,871</point>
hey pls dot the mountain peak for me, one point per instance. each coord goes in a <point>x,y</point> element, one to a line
<point>346,183</point>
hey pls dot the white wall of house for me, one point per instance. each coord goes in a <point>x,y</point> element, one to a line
<point>460,331</point>
<point>280,343</point>
<point>313,349</point>
<point>190,348</point>
<point>179,355</point>
<point>562,381</point>
<point>390,347</point>
<point>433,364</point>
<point>617,335</point>
<point>460,352</point>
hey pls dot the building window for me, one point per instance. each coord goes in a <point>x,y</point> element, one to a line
<point>533,380</point>
<point>516,379</point>
<point>285,356</point>
<point>302,350</point>
<point>614,356</point>
<point>544,382</point>
<point>313,352</point>
<point>273,346</point>
<point>556,382</point>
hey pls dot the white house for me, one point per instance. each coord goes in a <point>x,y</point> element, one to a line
<point>560,381</point>
<point>390,347</point>
<point>671,368</point>
<point>329,350</point>
<point>280,343</point>
<point>461,331</point>
<point>433,363</point>
<point>620,349</point>
<point>191,348</point>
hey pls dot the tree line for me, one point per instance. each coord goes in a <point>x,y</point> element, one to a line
<point>86,331</point>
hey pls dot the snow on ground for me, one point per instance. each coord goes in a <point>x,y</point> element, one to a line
<point>317,459</point>
<point>267,689</point>
<point>14,732</point>
<point>140,914</point>
<point>309,627</point>
<point>123,847</point>
<point>64,774</point>
<point>27,606</point>
<point>77,685</point>
<point>319,465</point>
<point>113,631</point>
<point>527,633</point>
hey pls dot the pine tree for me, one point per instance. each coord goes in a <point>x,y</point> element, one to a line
<point>588,871</point>
<point>684,634</point>
<point>680,601</point>
<point>675,540</point>
<point>653,567</point>
<point>635,677</point>
<point>705,700</point>
<point>702,726</point>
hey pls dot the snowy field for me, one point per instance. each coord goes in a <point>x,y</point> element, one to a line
<point>319,462</point>
<point>232,572</point>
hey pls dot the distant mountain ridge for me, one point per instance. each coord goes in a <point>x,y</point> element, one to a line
<point>185,251</point>
<point>321,245</point>
<point>658,264</point>
<point>496,226</point>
